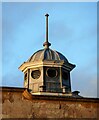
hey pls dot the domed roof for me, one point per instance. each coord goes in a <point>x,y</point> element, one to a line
<point>47,54</point>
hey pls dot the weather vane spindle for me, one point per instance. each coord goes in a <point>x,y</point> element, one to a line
<point>46,44</point>
<point>46,27</point>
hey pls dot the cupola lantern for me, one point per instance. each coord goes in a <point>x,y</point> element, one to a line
<point>47,71</point>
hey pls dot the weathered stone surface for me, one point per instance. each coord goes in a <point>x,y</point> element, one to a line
<point>14,105</point>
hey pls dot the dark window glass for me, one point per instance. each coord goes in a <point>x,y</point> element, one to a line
<point>35,74</point>
<point>52,73</point>
<point>52,86</point>
<point>65,75</point>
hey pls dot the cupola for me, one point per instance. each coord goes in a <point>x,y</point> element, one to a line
<point>47,71</point>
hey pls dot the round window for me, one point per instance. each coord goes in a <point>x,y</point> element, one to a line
<point>51,73</point>
<point>35,74</point>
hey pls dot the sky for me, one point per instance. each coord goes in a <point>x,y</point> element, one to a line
<point>72,31</point>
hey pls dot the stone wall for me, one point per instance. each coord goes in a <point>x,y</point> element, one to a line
<point>14,105</point>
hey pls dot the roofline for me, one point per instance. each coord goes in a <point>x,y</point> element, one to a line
<point>11,89</point>
<point>47,97</point>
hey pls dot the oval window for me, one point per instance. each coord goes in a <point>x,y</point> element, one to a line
<point>51,73</point>
<point>35,74</point>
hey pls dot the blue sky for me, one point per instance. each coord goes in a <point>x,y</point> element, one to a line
<point>72,31</point>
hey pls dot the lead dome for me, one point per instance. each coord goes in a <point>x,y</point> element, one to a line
<point>47,54</point>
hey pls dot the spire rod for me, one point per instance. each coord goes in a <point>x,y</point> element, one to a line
<point>47,27</point>
<point>46,44</point>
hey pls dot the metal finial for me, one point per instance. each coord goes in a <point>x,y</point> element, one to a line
<point>47,15</point>
<point>46,44</point>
